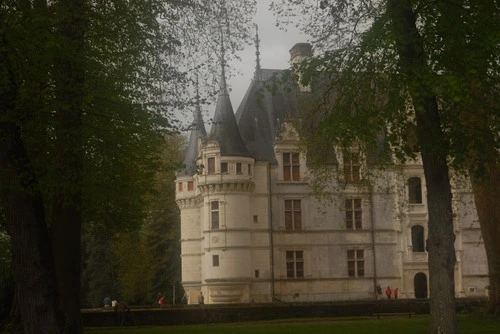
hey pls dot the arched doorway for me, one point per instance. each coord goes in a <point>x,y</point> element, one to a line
<point>420,285</point>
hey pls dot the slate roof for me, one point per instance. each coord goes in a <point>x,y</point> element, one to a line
<point>197,131</point>
<point>225,130</point>
<point>265,106</point>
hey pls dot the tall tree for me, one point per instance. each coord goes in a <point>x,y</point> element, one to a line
<point>401,69</point>
<point>69,67</point>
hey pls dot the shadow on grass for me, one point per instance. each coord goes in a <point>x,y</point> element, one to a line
<point>467,323</point>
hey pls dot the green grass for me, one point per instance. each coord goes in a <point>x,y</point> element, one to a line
<point>472,324</point>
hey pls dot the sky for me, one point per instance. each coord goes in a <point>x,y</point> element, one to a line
<point>274,52</point>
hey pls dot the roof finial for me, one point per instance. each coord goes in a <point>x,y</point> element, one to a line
<point>223,84</point>
<point>257,54</point>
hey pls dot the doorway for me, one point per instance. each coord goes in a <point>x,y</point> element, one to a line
<point>420,285</point>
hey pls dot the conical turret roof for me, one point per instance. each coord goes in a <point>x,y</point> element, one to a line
<point>197,131</point>
<point>225,129</point>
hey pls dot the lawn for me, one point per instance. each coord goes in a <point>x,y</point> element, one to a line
<point>472,324</point>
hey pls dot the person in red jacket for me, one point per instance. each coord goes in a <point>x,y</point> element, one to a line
<point>396,292</point>
<point>388,292</point>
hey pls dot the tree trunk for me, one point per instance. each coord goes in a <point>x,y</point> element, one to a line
<point>35,288</point>
<point>69,74</point>
<point>433,148</point>
<point>486,190</point>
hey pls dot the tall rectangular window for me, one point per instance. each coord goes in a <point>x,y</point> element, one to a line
<point>356,262</point>
<point>249,169</point>
<point>353,214</point>
<point>293,214</point>
<point>180,186</point>
<point>223,167</point>
<point>211,165</point>
<point>215,260</point>
<point>291,167</point>
<point>238,168</point>
<point>190,185</point>
<point>352,167</point>
<point>214,215</point>
<point>294,264</point>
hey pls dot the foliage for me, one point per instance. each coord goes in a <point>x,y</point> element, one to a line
<point>87,90</point>
<point>135,262</point>
<point>396,71</point>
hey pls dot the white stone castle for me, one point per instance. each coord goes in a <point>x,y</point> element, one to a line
<point>253,231</point>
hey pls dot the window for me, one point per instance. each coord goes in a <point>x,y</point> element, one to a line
<point>417,238</point>
<point>238,168</point>
<point>356,262</point>
<point>353,214</point>
<point>215,260</point>
<point>180,186</point>
<point>291,167</point>
<point>190,185</point>
<point>256,273</point>
<point>293,214</point>
<point>351,167</point>
<point>223,167</point>
<point>415,190</point>
<point>249,169</point>
<point>214,215</point>
<point>211,165</point>
<point>255,219</point>
<point>294,264</point>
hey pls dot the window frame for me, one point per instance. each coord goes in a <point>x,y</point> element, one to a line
<point>293,214</point>
<point>211,165</point>
<point>294,260</point>
<point>291,166</point>
<point>239,168</point>
<point>418,239</point>
<point>215,261</point>
<point>352,167</point>
<point>224,168</point>
<point>190,185</point>
<point>356,262</point>
<point>415,190</point>
<point>354,213</point>
<point>214,215</point>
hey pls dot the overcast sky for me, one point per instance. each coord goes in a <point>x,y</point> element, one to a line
<point>274,46</point>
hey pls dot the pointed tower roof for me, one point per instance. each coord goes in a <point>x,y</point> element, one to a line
<point>197,131</point>
<point>224,128</point>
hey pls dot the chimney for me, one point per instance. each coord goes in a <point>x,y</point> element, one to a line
<point>299,52</point>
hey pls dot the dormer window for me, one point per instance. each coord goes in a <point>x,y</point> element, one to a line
<point>352,167</point>
<point>238,168</point>
<point>415,190</point>
<point>291,167</point>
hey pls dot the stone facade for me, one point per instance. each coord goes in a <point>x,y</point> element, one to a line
<point>253,229</point>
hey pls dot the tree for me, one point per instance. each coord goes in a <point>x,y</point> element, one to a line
<point>68,67</point>
<point>388,72</point>
<point>161,228</point>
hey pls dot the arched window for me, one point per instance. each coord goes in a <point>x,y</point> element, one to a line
<point>417,238</point>
<point>415,190</point>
